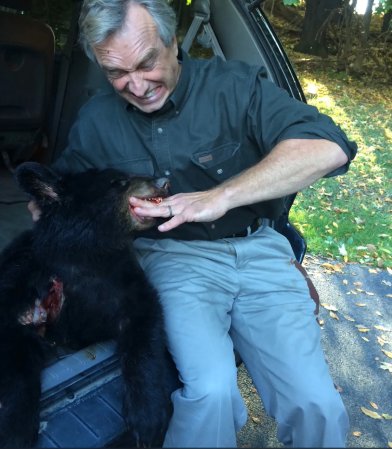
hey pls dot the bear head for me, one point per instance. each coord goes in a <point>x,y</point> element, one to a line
<point>89,207</point>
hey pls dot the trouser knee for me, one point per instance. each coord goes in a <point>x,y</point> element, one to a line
<point>314,422</point>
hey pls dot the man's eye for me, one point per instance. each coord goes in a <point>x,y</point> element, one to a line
<point>114,74</point>
<point>148,65</point>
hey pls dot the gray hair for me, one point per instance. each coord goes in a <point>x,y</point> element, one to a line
<point>99,19</point>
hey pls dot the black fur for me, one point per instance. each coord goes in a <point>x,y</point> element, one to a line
<point>83,239</point>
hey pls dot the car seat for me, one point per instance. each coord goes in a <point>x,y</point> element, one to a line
<point>27,49</point>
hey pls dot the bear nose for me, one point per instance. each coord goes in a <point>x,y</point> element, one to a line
<point>162,183</point>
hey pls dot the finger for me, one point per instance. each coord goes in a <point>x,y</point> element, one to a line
<point>153,212</point>
<point>175,221</point>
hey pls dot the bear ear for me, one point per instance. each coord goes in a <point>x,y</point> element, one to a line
<point>39,181</point>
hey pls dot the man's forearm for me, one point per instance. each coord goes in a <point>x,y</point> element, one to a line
<point>290,167</point>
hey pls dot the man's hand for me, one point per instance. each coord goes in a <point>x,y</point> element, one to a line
<point>290,167</point>
<point>34,210</point>
<point>183,207</point>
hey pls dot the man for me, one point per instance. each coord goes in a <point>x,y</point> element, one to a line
<point>232,145</point>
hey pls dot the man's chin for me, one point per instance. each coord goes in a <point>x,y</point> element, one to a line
<point>148,106</point>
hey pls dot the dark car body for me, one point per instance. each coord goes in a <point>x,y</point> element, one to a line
<point>82,391</point>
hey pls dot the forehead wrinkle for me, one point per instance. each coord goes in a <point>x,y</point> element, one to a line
<point>116,52</point>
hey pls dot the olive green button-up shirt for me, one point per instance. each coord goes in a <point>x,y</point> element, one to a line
<point>222,118</point>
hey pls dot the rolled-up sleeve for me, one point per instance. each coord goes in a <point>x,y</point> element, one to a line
<point>275,116</point>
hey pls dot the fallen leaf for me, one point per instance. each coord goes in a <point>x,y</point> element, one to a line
<point>365,339</point>
<point>357,433</point>
<point>389,443</point>
<point>382,328</point>
<point>374,405</point>
<point>386,416</point>
<point>381,341</point>
<point>334,267</point>
<point>333,315</point>
<point>329,307</point>
<point>386,366</point>
<point>256,420</point>
<point>360,304</point>
<point>349,318</point>
<point>370,413</point>
<point>387,353</point>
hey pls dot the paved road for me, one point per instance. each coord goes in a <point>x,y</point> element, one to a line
<point>361,298</point>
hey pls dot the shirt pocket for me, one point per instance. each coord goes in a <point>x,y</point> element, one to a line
<point>219,163</point>
<point>141,166</point>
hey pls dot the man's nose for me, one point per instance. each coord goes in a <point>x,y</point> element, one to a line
<point>137,84</point>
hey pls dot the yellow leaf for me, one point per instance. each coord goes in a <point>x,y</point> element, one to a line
<point>386,416</point>
<point>335,267</point>
<point>333,315</point>
<point>374,405</point>
<point>389,443</point>
<point>382,328</point>
<point>256,420</point>
<point>365,339</point>
<point>360,304</point>
<point>329,307</point>
<point>357,433</point>
<point>387,366</point>
<point>349,318</point>
<point>387,353</point>
<point>381,341</point>
<point>370,413</point>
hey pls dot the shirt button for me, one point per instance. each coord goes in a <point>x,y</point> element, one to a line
<point>219,171</point>
<point>213,226</point>
<point>160,130</point>
<point>167,173</point>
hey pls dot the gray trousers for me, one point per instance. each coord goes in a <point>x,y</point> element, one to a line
<point>244,293</point>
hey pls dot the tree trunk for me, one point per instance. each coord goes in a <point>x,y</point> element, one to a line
<point>361,51</point>
<point>386,21</point>
<point>313,37</point>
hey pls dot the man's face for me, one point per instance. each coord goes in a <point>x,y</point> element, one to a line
<point>136,62</point>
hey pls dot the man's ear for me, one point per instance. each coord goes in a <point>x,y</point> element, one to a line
<point>39,181</point>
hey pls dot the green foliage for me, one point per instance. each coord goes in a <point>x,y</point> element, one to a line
<point>383,6</point>
<point>291,2</point>
<point>348,217</point>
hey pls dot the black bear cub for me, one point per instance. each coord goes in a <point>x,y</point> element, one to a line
<point>73,277</point>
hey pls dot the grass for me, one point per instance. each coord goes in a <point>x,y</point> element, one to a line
<point>349,217</point>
